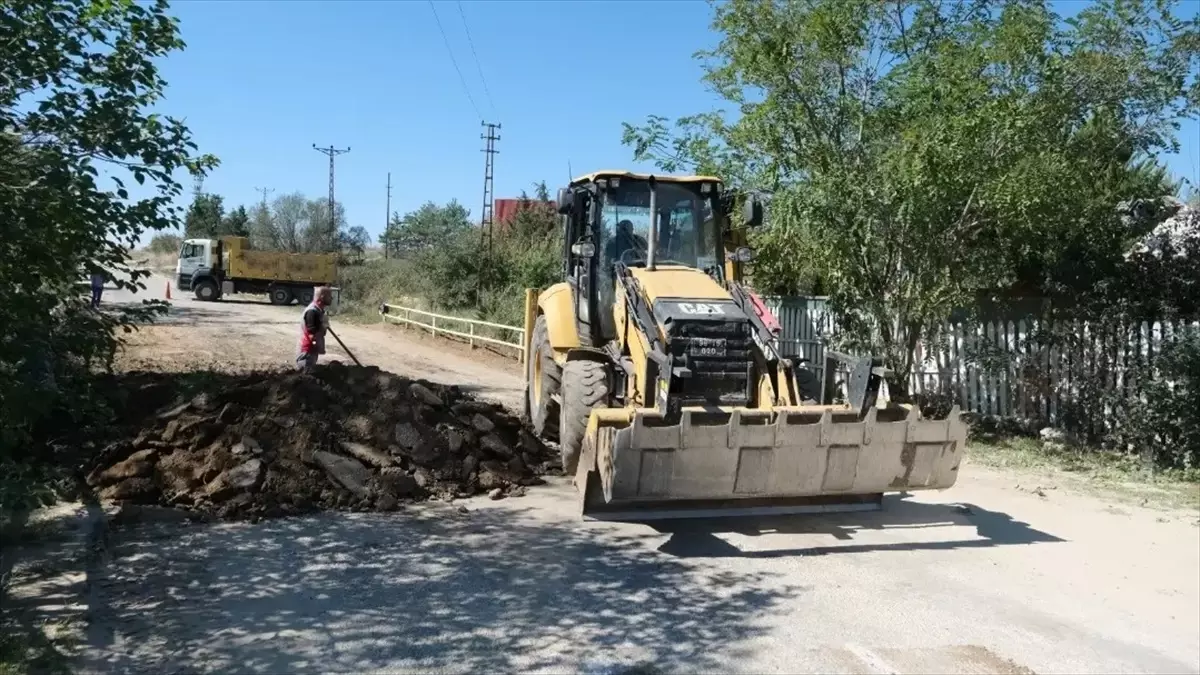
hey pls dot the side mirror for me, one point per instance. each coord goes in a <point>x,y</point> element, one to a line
<point>583,248</point>
<point>743,254</point>
<point>752,211</point>
<point>565,200</point>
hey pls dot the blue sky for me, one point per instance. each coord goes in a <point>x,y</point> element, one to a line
<point>261,81</point>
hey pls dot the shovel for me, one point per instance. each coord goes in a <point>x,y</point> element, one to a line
<point>344,347</point>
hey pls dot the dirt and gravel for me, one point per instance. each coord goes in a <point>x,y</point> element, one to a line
<point>1010,571</point>
<point>283,443</point>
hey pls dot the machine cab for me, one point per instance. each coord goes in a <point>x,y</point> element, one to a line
<point>608,221</point>
<point>194,254</point>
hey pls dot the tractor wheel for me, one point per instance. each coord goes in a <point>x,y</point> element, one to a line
<point>206,290</point>
<point>281,295</point>
<point>584,388</point>
<point>542,383</point>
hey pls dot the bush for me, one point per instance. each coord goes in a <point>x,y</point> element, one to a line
<point>165,243</point>
<point>439,260</point>
<point>1163,425</point>
<point>366,286</point>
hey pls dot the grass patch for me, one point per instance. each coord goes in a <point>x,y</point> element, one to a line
<point>25,650</point>
<point>1102,472</point>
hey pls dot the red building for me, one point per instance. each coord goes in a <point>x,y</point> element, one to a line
<point>503,210</point>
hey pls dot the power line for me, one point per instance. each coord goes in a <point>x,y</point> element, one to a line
<point>478,66</point>
<point>450,51</point>
<point>332,152</point>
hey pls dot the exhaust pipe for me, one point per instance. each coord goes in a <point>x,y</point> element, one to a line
<point>652,235</point>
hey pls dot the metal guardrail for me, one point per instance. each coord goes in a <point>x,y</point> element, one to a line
<point>436,324</point>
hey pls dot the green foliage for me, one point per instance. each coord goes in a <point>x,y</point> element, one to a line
<point>920,152</point>
<point>425,229</point>
<point>436,255</point>
<point>353,243</point>
<point>165,243</point>
<point>1163,425</point>
<point>204,216</point>
<point>297,224</point>
<point>237,223</point>
<point>79,80</point>
<point>366,286</point>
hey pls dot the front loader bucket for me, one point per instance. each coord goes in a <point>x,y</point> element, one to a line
<point>739,461</point>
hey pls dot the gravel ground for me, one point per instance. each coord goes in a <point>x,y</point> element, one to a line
<point>986,577</point>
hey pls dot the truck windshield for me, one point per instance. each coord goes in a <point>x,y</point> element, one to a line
<point>687,227</point>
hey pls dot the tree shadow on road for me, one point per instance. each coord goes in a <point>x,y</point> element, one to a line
<point>191,314</point>
<point>697,538</point>
<point>426,589</point>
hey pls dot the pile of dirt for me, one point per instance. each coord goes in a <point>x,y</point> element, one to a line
<point>279,443</point>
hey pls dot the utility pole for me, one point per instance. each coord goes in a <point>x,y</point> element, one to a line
<point>387,219</point>
<point>489,150</point>
<point>485,221</point>
<point>331,152</point>
<point>265,192</point>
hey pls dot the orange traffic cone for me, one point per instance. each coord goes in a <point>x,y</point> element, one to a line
<point>168,290</point>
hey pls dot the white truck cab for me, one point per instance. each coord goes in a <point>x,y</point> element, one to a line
<point>194,254</point>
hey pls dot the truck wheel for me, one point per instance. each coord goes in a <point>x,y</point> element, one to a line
<point>584,388</point>
<point>304,295</point>
<point>281,295</point>
<point>206,290</point>
<point>543,379</point>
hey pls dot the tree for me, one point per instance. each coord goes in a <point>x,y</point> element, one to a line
<point>237,223</point>
<point>354,241</point>
<point>297,224</point>
<point>427,227</point>
<point>165,243</point>
<point>80,78</point>
<point>204,217</point>
<point>262,228</point>
<point>921,152</point>
<point>320,235</point>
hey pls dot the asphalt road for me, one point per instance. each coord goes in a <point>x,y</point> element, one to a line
<point>990,576</point>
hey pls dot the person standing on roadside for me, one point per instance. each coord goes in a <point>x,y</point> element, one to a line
<point>313,326</point>
<point>97,288</point>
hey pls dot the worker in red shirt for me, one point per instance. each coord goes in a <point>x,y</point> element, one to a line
<point>313,326</point>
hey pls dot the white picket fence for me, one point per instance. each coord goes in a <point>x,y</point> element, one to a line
<point>1006,368</point>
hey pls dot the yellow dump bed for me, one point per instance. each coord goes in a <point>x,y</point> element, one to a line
<point>241,262</point>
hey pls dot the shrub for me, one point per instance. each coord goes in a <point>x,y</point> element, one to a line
<point>165,243</point>
<point>366,286</point>
<point>1163,424</point>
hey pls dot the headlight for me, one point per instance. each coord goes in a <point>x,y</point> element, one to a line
<point>742,254</point>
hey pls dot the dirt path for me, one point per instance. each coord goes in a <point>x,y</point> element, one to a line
<point>984,578</point>
<point>253,333</point>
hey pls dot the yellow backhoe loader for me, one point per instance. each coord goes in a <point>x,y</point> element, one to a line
<point>657,373</point>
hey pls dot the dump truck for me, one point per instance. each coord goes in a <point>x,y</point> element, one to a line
<point>656,370</point>
<point>213,268</point>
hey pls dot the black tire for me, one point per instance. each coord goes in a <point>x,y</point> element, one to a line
<point>541,368</point>
<point>280,295</point>
<point>584,388</point>
<point>304,295</point>
<point>206,290</point>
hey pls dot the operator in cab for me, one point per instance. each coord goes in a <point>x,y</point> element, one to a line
<point>314,323</point>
